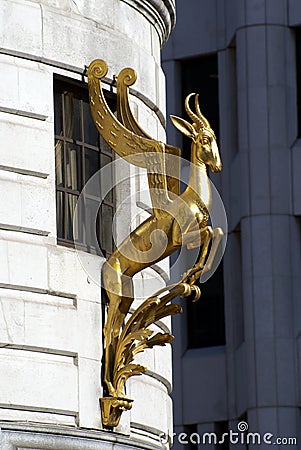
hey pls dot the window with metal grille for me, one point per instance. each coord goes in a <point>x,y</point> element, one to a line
<point>79,153</point>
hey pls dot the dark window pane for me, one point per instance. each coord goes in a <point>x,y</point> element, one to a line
<point>59,163</point>
<point>79,221</point>
<point>71,201</point>
<point>109,198</point>
<point>73,167</point>
<point>58,117</point>
<point>90,131</point>
<point>200,75</point>
<point>105,159</point>
<point>104,146</point>
<point>92,225</point>
<point>60,222</point>
<point>206,318</point>
<point>91,163</point>
<point>72,116</point>
<point>106,227</point>
<point>106,178</point>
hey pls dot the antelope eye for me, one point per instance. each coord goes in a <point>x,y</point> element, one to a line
<point>206,140</point>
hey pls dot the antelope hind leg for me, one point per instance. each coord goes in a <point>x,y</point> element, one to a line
<point>113,287</point>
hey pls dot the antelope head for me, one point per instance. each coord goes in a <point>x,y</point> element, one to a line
<point>204,147</point>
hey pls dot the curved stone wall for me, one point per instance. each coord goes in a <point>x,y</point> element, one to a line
<point>50,309</point>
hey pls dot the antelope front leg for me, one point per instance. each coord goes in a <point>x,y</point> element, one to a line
<point>204,238</point>
<point>217,237</point>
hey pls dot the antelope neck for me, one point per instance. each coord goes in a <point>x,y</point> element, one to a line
<point>200,182</point>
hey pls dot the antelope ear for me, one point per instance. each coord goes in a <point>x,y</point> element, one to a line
<point>183,126</point>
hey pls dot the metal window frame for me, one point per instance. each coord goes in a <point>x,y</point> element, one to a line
<point>80,91</point>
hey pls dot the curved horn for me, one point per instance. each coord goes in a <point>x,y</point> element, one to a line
<point>190,113</point>
<point>200,115</point>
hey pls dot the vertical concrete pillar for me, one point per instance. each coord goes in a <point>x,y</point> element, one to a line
<point>264,47</point>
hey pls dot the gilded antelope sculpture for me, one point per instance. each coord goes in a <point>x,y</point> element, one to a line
<point>178,219</point>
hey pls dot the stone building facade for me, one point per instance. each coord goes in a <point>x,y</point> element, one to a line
<point>253,373</point>
<point>51,308</point>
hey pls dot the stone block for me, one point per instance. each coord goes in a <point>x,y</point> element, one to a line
<point>140,33</point>
<point>10,184</point>
<point>163,362</point>
<point>39,380</point>
<point>39,100</point>
<point>51,322</point>
<point>33,201</point>
<point>79,49</point>
<point>28,143</point>
<point>12,319</point>
<point>146,359</point>
<point>4,267</point>
<point>27,265</point>
<point>37,204</point>
<point>89,393</point>
<point>146,119</point>
<point>22,28</point>
<point>155,45</point>
<point>152,405</point>
<point>89,323</point>
<point>35,417</point>
<point>103,13</point>
<point>74,272</point>
<point>161,89</point>
<point>147,284</point>
<point>9,96</point>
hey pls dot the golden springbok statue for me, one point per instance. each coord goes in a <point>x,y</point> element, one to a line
<point>177,220</point>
